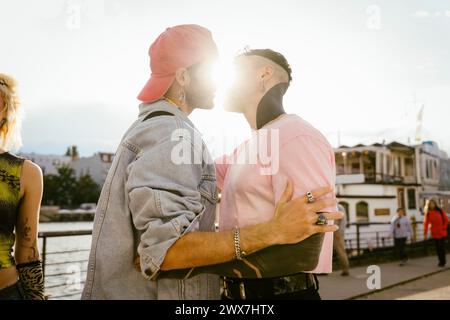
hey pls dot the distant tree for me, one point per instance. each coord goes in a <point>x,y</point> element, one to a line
<point>67,185</point>
<point>72,152</point>
<point>75,154</point>
<point>65,190</point>
<point>87,191</point>
<point>51,184</point>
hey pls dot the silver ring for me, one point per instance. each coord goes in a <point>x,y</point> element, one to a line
<point>310,197</point>
<point>322,220</point>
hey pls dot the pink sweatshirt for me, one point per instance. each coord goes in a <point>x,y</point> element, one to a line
<point>254,176</point>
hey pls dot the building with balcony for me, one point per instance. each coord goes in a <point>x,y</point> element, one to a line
<point>374,180</point>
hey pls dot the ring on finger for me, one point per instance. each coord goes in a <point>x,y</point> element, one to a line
<point>310,197</point>
<point>321,220</point>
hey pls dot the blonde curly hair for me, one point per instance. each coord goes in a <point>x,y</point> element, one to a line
<point>10,120</point>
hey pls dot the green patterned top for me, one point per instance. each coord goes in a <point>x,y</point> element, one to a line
<point>10,170</point>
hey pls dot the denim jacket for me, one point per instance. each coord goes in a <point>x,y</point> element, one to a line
<point>151,197</point>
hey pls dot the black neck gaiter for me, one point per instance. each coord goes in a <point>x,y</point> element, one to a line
<point>271,105</point>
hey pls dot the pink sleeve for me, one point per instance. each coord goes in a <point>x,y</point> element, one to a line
<point>308,162</point>
<point>221,164</point>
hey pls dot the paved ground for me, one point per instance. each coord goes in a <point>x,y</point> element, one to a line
<point>435,287</point>
<point>336,287</point>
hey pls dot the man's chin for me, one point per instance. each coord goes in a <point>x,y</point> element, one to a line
<point>206,105</point>
<point>232,108</point>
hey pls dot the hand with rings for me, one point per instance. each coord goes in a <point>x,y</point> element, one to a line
<point>321,219</point>
<point>297,219</point>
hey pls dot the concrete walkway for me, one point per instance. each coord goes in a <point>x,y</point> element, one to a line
<point>336,287</point>
<point>434,287</point>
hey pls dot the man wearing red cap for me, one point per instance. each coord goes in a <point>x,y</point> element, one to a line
<point>172,52</point>
<point>156,210</point>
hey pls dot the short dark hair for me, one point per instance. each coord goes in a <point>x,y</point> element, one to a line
<point>273,56</point>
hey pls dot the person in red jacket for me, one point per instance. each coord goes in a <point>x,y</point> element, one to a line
<point>438,220</point>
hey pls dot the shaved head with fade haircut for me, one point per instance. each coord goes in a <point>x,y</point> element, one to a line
<point>257,71</point>
<point>282,69</point>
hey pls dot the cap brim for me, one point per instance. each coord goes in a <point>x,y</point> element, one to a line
<point>155,88</point>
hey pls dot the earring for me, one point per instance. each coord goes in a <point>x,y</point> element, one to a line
<point>182,96</point>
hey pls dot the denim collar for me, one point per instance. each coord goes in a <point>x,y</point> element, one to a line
<point>163,105</point>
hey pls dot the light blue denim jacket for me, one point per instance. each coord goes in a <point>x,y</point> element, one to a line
<point>148,202</point>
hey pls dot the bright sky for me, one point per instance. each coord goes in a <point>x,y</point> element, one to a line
<point>361,68</point>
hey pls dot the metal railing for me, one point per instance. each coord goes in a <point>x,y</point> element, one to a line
<point>59,263</point>
<point>359,225</point>
<point>361,241</point>
<point>355,241</point>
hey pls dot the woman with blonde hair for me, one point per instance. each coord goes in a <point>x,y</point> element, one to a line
<point>437,219</point>
<point>21,188</point>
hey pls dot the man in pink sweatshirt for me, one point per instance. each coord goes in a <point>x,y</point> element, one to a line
<point>252,179</point>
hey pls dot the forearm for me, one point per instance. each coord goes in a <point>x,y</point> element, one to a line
<point>27,253</point>
<point>197,249</point>
<point>270,262</point>
<point>293,222</point>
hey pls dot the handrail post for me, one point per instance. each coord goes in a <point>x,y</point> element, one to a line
<point>378,240</point>
<point>358,242</point>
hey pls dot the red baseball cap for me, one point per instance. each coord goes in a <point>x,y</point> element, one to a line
<point>178,47</point>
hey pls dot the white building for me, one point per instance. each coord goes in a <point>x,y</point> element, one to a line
<point>48,163</point>
<point>97,166</point>
<point>374,180</point>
